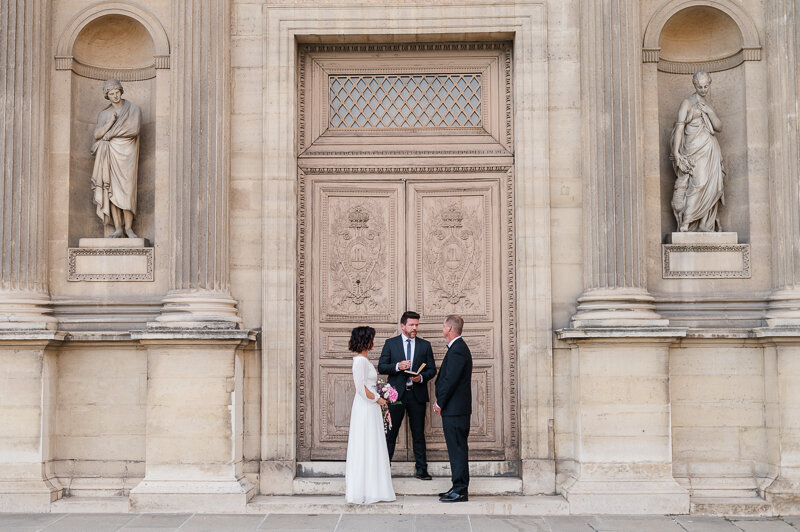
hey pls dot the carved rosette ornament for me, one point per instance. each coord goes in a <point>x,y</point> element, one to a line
<point>358,262</point>
<point>452,260</point>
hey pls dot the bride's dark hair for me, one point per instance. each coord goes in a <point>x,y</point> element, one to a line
<point>361,339</point>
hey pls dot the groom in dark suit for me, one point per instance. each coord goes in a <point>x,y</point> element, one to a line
<point>454,404</point>
<point>399,354</point>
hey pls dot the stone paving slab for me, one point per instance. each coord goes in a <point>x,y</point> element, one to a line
<point>392,523</point>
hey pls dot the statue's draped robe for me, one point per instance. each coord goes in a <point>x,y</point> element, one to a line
<point>698,193</point>
<point>116,161</point>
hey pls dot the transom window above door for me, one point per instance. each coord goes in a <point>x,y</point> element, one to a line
<point>405,99</point>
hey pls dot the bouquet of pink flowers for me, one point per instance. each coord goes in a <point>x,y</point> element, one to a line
<point>388,392</point>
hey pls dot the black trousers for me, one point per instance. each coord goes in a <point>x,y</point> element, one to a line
<point>416,418</point>
<point>456,430</point>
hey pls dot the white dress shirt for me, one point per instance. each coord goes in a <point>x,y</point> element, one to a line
<point>450,343</point>
<point>405,339</point>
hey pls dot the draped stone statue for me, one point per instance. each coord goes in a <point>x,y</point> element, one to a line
<point>697,160</point>
<point>116,151</point>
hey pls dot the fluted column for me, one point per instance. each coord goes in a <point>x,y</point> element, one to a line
<point>783,64</point>
<point>24,299</point>
<point>615,274</point>
<point>200,168</point>
<point>782,335</point>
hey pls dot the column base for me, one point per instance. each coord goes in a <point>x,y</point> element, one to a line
<point>26,311</point>
<point>784,309</point>
<point>626,497</point>
<point>191,496</point>
<point>784,496</point>
<point>34,495</point>
<point>538,477</point>
<point>277,477</point>
<point>617,307</point>
<point>197,310</point>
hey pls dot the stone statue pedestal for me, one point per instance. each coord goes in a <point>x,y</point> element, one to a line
<point>705,256</point>
<point>111,259</point>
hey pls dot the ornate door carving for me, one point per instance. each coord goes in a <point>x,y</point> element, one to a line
<point>357,277</point>
<point>405,202</point>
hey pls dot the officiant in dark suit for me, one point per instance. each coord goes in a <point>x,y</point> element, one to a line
<point>401,353</point>
<point>454,404</point>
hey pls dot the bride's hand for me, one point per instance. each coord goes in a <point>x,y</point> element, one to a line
<point>381,401</point>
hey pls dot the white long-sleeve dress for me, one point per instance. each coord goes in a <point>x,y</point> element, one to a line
<point>368,476</point>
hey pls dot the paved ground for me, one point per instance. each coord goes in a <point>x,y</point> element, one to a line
<point>391,523</point>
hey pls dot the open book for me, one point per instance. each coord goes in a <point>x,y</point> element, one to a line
<point>421,367</point>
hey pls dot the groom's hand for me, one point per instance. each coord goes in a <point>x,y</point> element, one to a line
<point>437,409</point>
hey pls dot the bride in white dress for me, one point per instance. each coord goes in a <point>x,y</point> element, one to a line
<point>368,476</point>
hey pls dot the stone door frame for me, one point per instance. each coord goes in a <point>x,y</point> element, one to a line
<point>525,24</point>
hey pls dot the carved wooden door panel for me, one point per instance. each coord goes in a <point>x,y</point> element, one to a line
<point>358,278</point>
<point>378,248</point>
<point>405,201</point>
<point>454,263</point>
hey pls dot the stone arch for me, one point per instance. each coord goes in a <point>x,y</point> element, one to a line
<point>65,59</point>
<point>751,43</point>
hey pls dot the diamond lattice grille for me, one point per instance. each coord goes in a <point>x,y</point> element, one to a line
<point>404,101</point>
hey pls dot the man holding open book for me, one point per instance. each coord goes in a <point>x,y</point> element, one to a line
<point>408,363</point>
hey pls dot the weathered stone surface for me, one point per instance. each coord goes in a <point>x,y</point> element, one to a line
<point>620,413</point>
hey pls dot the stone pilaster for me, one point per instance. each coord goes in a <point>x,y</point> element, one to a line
<point>783,65</point>
<point>195,417</point>
<point>782,333</point>
<point>24,299</point>
<point>620,403</point>
<point>28,363</point>
<point>615,273</point>
<point>782,346</point>
<point>200,169</point>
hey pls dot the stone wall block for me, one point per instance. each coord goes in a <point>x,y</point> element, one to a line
<point>29,373</point>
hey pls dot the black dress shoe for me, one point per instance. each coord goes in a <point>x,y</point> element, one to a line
<point>445,493</point>
<point>423,475</point>
<point>454,497</point>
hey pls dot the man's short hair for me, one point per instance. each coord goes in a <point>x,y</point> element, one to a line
<point>409,315</point>
<point>456,322</point>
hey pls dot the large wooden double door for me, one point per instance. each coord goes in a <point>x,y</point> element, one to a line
<point>373,246</point>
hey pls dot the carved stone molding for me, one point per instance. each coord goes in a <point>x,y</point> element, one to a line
<point>735,255</point>
<point>101,73</point>
<point>308,170</point>
<point>751,45</point>
<point>64,58</point>
<point>712,65</point>
<point>121,259</point>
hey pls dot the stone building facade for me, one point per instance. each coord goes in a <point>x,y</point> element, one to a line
<point>305,167</point>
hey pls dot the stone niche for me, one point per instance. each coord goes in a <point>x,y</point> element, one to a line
<point>705,37</point>
<point>117,46</point>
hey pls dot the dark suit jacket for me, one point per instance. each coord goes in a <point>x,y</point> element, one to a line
<point>394,352</point>
<point>454,383</point>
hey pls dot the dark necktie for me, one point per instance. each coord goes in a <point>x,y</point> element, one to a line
<point>408,349</point>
